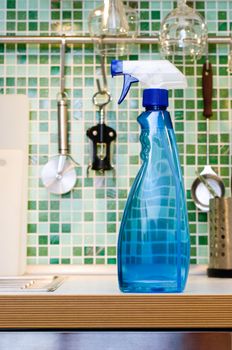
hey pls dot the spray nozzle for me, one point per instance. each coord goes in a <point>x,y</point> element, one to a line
<point>152,74</point>
<point>117,69</point>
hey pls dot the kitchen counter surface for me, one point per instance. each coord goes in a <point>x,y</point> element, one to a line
<point>94,301</point>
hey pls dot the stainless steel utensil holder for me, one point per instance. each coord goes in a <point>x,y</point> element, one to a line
<point>220,237</point>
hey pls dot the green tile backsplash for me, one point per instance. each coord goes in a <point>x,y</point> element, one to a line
<point>81,227</point>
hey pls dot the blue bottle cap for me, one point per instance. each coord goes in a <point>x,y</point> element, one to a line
<point>155,97</point>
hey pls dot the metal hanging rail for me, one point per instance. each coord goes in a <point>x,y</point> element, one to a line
<point>96,40</point>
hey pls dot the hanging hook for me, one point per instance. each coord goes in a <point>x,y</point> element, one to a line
<point>102,97</point>
<point>104,78</point>
<point>229,69</point>
<point>62,66</point>
<point>207,58</point>
<point>103,70</point>
<point>99,86</point>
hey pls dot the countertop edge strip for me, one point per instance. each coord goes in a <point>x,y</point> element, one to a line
<point>108,311</point>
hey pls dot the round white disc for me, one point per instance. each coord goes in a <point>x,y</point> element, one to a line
<point>55,183</point>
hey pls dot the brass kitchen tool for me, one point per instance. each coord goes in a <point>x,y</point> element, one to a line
<point>220,238</point>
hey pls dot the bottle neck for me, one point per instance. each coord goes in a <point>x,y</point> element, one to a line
<point>155,108</point>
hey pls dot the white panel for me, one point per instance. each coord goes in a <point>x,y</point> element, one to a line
<point>14,116</point>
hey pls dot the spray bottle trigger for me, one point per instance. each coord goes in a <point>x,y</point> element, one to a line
<point>128,80</point>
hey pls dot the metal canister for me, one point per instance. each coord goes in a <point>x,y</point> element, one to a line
<point>220,237</point>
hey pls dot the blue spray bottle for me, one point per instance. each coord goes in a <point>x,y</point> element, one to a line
<point>153,243</point>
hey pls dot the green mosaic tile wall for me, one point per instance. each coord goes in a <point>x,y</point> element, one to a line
<point>81,227</point>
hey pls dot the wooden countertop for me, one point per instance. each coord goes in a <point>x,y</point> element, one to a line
<point>94,301</point>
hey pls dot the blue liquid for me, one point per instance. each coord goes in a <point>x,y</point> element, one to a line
<point>153,244</point>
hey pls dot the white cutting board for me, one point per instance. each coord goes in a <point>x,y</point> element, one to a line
<point>14,117</point>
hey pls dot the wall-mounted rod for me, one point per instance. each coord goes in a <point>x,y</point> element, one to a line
<point>95,40</point>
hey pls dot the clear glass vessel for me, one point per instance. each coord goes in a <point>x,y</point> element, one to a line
<point>183,34</point>
<point>113,19</point>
